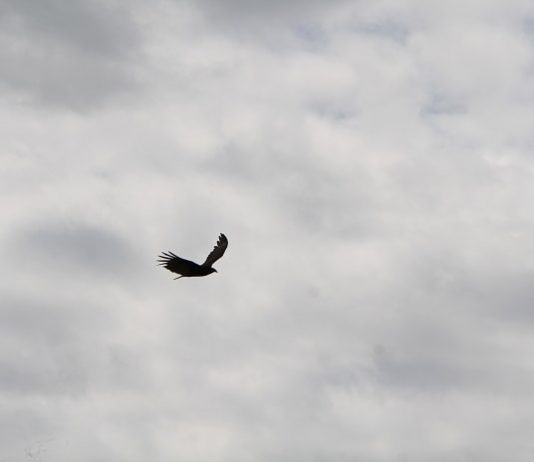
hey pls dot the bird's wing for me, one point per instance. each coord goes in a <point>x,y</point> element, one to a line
<point>175,264</point>
<point>217,252</point>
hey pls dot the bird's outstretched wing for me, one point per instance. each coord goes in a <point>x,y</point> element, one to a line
<point>176,264</point>
<point>217,252</point>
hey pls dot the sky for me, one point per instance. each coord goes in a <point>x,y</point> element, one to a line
<point>371,163</point>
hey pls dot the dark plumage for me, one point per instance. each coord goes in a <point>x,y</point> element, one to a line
<point>186,268</point>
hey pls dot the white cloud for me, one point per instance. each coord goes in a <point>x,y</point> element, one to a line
<point>370,164</point>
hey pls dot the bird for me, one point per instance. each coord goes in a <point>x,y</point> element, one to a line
<point>189,269</point>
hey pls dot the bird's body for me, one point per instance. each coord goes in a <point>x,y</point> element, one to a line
<point>186,268</point>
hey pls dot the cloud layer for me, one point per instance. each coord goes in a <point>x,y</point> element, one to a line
<point>371,166</point>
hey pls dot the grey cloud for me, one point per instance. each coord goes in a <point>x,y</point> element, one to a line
<point>26,422</point>
<point>391,29</point>
<point>60,344</point>
<point>59,81</point>
<point>440,104</point>
<point>88,249</point>
<point>325,201</point>
<point>35,374</point>
<point>374,303</point>
<point>309,25</point>
<point>506,295</point>
<point>422,373</point>
<point>275,24</point>
<point>48,347</point>
<point>261,10</point>
<point>76,54</point>
<point>102,28</point>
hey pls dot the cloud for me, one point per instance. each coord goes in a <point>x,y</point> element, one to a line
<point>370,165</point>
<point>76,55</point>
<point>78,247</point>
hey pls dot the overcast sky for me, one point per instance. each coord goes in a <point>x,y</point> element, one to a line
<point>371,163</point>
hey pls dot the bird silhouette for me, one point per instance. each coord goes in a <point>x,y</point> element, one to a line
<point>189,269</point>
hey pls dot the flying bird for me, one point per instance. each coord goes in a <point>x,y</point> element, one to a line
<point>189,269</point>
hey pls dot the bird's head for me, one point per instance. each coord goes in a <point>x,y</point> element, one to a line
<point>212,270</point>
